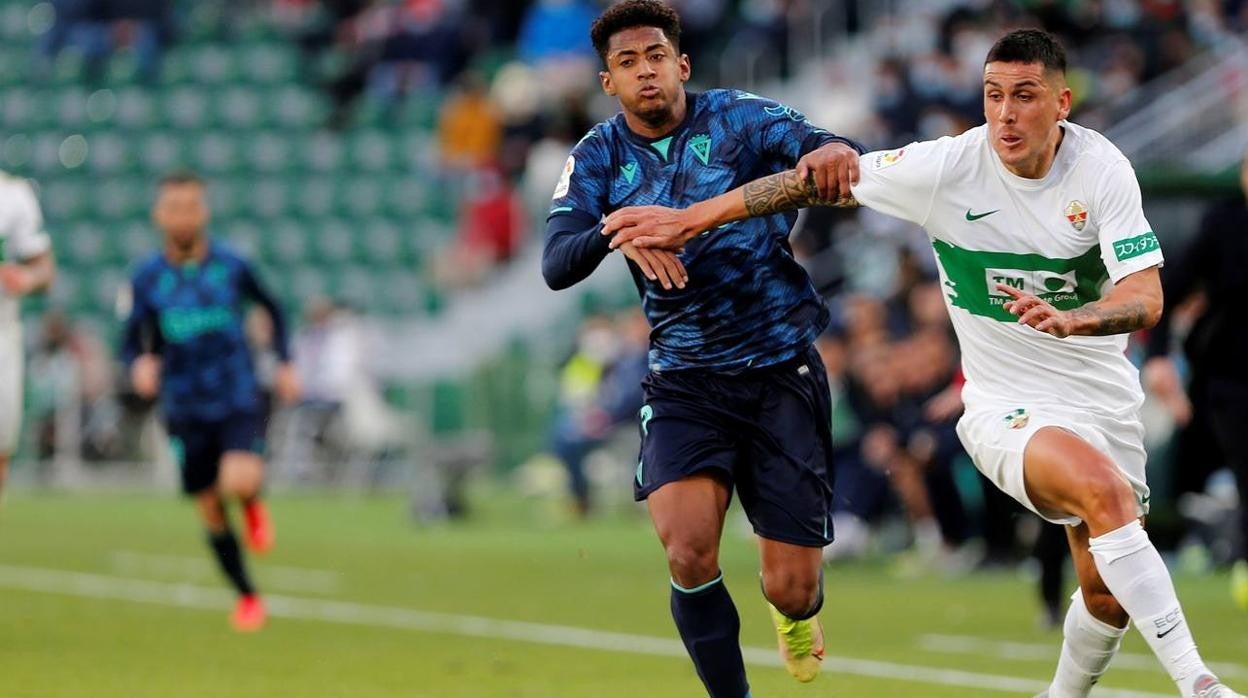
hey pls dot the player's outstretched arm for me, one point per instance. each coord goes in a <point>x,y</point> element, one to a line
<point>669,229</point>
<point>1134,303</point>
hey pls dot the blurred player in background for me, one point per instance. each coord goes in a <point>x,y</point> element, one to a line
<point>736,395</point>
<point>26,266</point>
<point>1215,349</point>
<point>184,342</point>
<point>1041,240</point>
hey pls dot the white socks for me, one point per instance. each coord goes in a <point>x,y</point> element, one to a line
<point>1088,645</point>
<point>1138,578</point>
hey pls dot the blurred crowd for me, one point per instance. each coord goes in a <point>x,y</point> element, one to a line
<point>515,82</point>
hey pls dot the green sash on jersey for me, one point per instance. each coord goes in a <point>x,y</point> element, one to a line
<point>971,278</point>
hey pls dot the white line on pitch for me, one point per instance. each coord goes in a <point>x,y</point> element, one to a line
<point>199,569</point>
<point>1035,652</point>
<point>83,584</point>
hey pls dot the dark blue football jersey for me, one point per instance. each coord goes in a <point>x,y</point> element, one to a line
<point>192,316</point>
<point>748,303</point>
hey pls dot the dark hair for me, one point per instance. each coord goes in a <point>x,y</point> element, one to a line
<point>1029,46</point>
<point>180,177</point>
<point>629,14</point>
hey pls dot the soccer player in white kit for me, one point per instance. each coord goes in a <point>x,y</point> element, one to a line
<point>1048,262</point>
<point>26,266</point>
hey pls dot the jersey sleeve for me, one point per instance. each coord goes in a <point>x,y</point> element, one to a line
<point>254,289</point>
<point>777,130</point>
<point>583,184</point>
<point>24,223</point>
<point>1128,243</point>
<point>141,333</point>
<point>902,182</point>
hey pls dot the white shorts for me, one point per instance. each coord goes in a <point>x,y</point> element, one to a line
<point>11,359</point>
<point>996,435</point>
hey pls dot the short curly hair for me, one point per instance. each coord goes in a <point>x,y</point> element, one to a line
<point>629,14</point>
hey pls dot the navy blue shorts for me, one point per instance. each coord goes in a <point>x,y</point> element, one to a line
<point>767,432</point>
<point>199,444</point>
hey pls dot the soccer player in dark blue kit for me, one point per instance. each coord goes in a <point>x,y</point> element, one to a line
<point>736,395</point>
<point>184,342</point>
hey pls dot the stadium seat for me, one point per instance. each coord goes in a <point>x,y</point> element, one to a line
<point>362,197</point>
<point>269,198</point>
<point>293,107</point>
<point>136,239</point>
<point>137,108</point>
<point>229,197</point>
<point>244,235</point>
<point>268,62</point>
<point>20,108</point>
<point>333,241</point>
<point>213,64</point>
<point>216,153</point>
<point>370,151</point>
<point>63,200</point>
<point>162,151</point>
<point>269,151</point>
<point>322,152</point>
<point>70,108</point>
<point>111,154</point>
<point>308,282</point>
<point>186,107</point>
<point>381,243</point>
<point>240,107</point>
<point>406,196</point>
<point>285,243</point>
<point>314,197</point>
<point>116,198</point>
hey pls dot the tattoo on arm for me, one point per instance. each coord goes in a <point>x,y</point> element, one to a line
<point>1128,317</point>
<point>785,191</point>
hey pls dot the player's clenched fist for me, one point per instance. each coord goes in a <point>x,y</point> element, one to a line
<point>833,168</point>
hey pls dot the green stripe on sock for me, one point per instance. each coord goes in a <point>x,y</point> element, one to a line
<point>700,587</point>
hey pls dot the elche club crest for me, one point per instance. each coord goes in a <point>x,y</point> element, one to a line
<point>1077,214</point>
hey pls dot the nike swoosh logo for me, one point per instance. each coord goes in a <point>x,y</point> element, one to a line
<point>1161,635</point>
<point>976,216</point>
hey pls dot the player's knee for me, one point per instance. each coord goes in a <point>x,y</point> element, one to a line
<point>1108,498</point>
<point>691,563</point>
<point>211,513</point>
<point>792,593</point>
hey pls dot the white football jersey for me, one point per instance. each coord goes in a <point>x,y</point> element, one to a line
<point>1067,238</point>
<point>21,234</point>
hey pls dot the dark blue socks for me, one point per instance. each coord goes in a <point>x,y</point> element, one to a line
<point>710,628</point>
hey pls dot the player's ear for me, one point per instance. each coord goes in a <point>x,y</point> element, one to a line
<point>607,86</point>
<point>686,69</point>
<point>1064,98</point>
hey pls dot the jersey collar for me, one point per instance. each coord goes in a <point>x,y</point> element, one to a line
<point>652,144</point>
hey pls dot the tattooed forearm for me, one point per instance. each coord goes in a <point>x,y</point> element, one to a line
<point>785,191</point>
<point>1095,320</point>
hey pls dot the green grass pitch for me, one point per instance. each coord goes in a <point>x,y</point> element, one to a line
<point>112,595</point>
